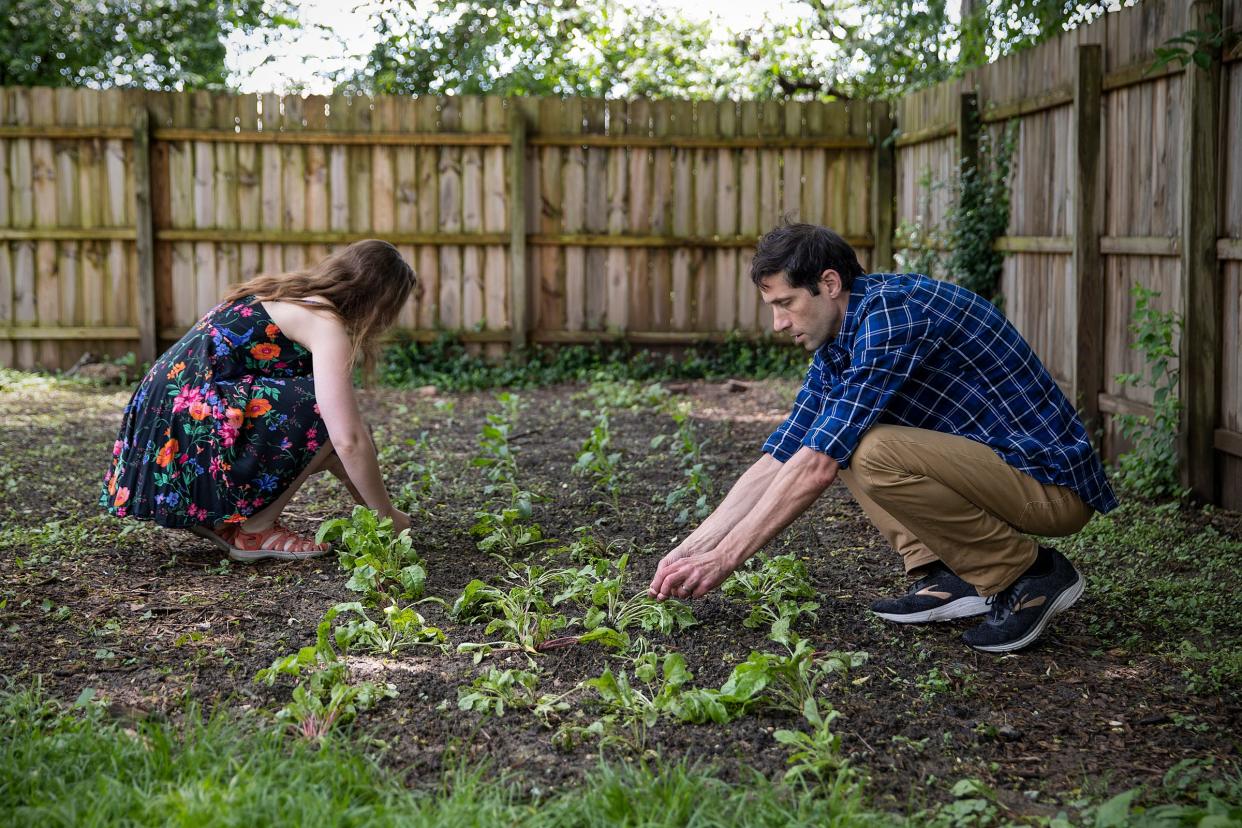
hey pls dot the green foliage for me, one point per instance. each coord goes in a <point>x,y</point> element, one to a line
<point>154,44</point>
<point>600,584</point>
<point>980,214</point>
<point>773,586</point>
<point>496,690</point>
<point>414,466</point>
<point>521,614</point>
<point>324,695</point>
<point>815,755</point>
<point>1186,799</point>
<point>379,564</point>
<point>496,457</point>
<point>1196,46</point>
<point>1149,469</point>
<point>786,681</point>
<point>599,463</point>
<point>510,530</point>
<point>400,629</point>
<point>1156,576</point>
<point>76,766</point>
<point>695,489</point>
<point>534,47</point>
<point>446,364</point>
<point>631,709</point>
<point>961,248</point>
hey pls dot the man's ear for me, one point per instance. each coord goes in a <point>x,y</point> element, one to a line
<point>830,283</point>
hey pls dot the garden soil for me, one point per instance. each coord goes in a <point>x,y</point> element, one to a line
<point>149,618</point>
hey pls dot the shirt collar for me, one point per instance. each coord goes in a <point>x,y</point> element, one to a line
<point>838,348</point>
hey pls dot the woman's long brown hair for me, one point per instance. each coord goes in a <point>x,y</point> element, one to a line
<point>367,284</point>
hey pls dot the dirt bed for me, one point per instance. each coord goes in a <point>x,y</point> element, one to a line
<point>149,618</point>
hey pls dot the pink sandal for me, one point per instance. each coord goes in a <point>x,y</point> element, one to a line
<point>277,542</point>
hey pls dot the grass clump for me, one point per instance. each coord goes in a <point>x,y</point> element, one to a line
<point>64,765</point>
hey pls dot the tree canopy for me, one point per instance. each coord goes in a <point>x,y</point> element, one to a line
<point>838,48</point>
<point>156,44</point>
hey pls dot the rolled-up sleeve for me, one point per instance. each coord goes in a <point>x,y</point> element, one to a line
<point>807,406</point>
<point>893,338</point>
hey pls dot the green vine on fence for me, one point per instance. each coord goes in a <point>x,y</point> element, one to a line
<point>1149,469</point>
<point>962,249</point>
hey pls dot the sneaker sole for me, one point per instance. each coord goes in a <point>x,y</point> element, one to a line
<point>1068,597</point>
<point>961,608</point>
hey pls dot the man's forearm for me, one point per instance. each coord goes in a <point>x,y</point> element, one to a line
<point>794,487</point>
<point>746,492</point>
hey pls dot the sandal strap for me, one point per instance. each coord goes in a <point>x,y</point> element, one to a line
<point>276,538</point>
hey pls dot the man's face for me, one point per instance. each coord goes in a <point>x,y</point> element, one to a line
<point>810,319</point>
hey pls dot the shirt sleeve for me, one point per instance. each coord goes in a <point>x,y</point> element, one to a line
<point>893,338</point>
<point>807,406</point>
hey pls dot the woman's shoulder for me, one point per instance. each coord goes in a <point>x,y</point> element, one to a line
<point>306,325</point>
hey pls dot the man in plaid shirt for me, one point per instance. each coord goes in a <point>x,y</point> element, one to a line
<point>943,424</point>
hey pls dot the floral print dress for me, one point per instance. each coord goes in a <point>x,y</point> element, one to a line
<point>222,424</point>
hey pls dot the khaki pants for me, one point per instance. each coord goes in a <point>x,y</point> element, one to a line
<point>939,496</point>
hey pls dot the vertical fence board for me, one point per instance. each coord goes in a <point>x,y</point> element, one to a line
<point>682,218</point>
<point>596,219</point>
<point>472,216</point>
<point>748,218</point>
<point>658,275</point>
<point>495,220</point>
<point>702,264</point>
<point>725,284</point>
<point>618,211</point>
<point>573,197</point>
<point>450,217</point>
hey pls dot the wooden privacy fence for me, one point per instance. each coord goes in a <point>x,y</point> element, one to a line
<point>124,214</point>
<point>1122,175</point>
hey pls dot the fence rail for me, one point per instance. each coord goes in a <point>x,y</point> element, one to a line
<point>124,214</point>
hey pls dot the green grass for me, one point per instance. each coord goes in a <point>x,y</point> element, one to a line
<point>74,766</point>
<point>1162,582</point>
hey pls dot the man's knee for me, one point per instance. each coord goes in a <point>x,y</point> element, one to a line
<point>874,457</point>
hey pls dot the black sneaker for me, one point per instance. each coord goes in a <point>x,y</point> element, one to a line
<point>937,596</point>
<point>1020,612</point>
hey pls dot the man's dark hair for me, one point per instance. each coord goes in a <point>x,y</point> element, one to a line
<point>803,252</point>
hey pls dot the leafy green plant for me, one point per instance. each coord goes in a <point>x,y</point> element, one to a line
<point>497,690</point>
<point>323,695</point>
<point>633,708</point>
<point>1150,467</point>
<point>1196,46</point>
<point>598,462</point>
<point>693,493</point>
<point>447,364</point>
<point>379,563</point>
<point>920,244</point>
<point>521,613</point>
<point>979,214</point>
<point>773,586</point>
<point>401,628</point>
<point>416,470</point>
<point>786,681</point>
<point>816,754</point>
<point>510,530</point>
<point>627,394</point>
<point>496,456</point>
<point>610,615</point>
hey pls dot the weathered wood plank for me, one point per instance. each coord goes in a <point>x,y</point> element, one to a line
<point>617,318</point>
<point>573,201</point>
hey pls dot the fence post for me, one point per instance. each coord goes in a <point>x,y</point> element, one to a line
<point>519,313</point>
<point>1200,344</point>
<point>1088,377</point>
<point>883,167</point>
<point>148,324</point>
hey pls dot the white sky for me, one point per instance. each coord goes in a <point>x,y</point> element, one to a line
<point>304,59</point>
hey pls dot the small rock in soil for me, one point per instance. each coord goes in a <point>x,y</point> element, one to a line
<point>1008,734</point>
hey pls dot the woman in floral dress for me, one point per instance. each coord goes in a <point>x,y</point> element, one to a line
<point>231,420</point>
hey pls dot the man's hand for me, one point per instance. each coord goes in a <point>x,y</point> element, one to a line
<point>689,576</point>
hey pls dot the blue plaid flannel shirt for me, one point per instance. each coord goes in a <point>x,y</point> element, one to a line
<point>918,352</point>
